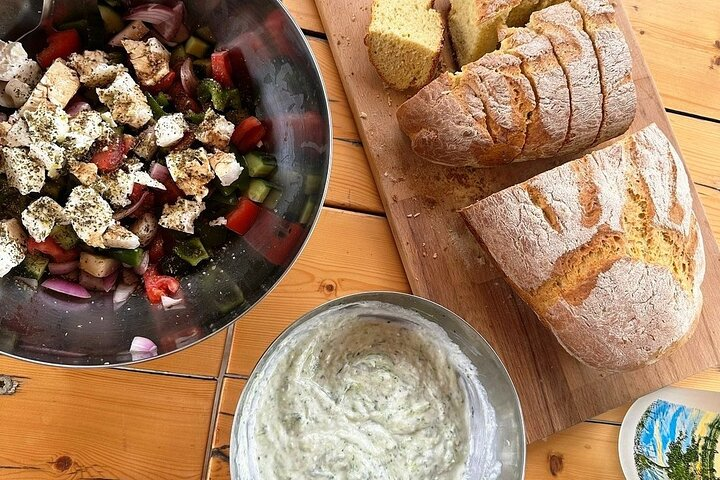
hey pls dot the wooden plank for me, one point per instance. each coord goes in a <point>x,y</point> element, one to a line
<point>556,391</point>
<point>203,359</point>
<point>305,14</point>
<point>65,424</point>
<point>678,40</point>
<point>347,253</point>
<point>219,467</point>
<point>351,183</point>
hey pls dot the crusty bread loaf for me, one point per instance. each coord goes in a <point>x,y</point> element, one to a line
<point>548,123</point>
<point>615,62</point>
<point>404,42</point>
<point>563,25</point>
<point>605,249</point>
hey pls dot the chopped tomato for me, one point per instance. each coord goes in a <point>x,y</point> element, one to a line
<point>110,157</point>
<point>140,192</point>
<point>172,193</point>
<point>163,85</point>
<point>157,249</point>
<point>183,102</point>
<point>242,217</point>
<point>247,134</point>
<point>157,285</point>
<point>60,45</point>
<point>221,68</point>
<point>184,142</point>
<point>275,238</point>
<point>51,248</point>
<point>137,192</point>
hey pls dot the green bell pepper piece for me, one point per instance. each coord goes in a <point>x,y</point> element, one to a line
<point>128,257</point>
<point>192,251</point>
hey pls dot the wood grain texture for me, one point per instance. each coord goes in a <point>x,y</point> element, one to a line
<point>202,359</point>
<point>219,467</point>
<point>351,184</point>
<point>305,14</point>
<point>66,424</point>
<point>348,253</point>
<point>421,202</point>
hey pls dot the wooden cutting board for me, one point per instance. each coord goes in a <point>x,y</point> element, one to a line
<point>445,264</point>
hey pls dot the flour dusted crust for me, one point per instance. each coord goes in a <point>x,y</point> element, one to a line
<point>606,249</point>
<point>615,62</point>
<point>563,25</point>
<point>548,123</point>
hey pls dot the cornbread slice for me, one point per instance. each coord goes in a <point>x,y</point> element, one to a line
<point>548,123</point>
<point>563,26</point>
<point>615,62</point>
<point>404,41</point>
<point>606,249</point>
<point>474,24</point>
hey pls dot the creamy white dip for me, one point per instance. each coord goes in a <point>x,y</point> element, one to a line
<point>355,393</point>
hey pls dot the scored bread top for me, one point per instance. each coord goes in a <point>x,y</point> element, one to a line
<point>563,25</point>
<point>615,62</point>
<point>606,249</point>
<point>548,123</point>
<point>508,97</point>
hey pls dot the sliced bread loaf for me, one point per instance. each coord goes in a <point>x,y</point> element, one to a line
<point>548,123</point>
<point>615,62</point>
<point>605,249</point>
<point>563,26</point>
<point>404,42</point>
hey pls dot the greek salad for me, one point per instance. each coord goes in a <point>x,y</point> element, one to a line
<point>129,152</point>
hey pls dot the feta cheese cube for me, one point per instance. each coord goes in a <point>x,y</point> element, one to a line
<point>150,60</point>
<point>215,130</point>
<point>59,84</point>
<point>41,216</point>
<point>115,187</point>
<point>86,173</point>
<point>170,129</point>
<point>181,216</point>
<point>126,101</point>
<point>12,245</point>
<point>118,236</point>
<point>47,123</point>
<point>15,64</point>
<point>90,215</point>
<point>22,172</point>
<point>143,178</point>
<point>85,129</point>
<point>226,167</point>
<point>146,145</point>
<point>190,169</point>
<point>94,69</point>
<point>50,156</point>
<point>18,134</point>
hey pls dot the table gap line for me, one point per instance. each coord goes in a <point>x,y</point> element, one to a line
<point>602,422</point>
<point>166,373</point>
<point>314,34</point>
<point>692,115</point>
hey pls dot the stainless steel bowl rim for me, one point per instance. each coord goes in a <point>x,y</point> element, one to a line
<point>379,296</point>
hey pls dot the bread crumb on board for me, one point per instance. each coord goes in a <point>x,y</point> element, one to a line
<point>364,115</point>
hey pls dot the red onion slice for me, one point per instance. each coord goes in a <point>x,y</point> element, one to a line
<point>152,13</point>
<point>63,268</point>
<point>123,292</point>
<point>119,215</point>
<point>68,288</point>
<point>142,348</point>
<point>76,107</point>
<point>109,281</point>
<point>159,172</point>
<point>170,303</point>
<point>188,79</point>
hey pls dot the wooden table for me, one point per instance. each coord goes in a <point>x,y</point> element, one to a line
<point>171,418</point>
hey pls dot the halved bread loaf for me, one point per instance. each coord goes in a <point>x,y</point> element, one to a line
<point>606,249</point>
<point>404,42</point>
<point>615,62</point>
<point>563,26</point>
<point>548,123</point>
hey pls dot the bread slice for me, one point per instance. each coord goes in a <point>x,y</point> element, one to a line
<point>615,62</point>
<point>404,42</point>
<point>446,123</point>
<point>606,249</point>
<point>563,26</point>
<point>548,123</point>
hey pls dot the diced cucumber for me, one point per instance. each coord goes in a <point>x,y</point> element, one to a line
<point>97,266</point>
<point>112,20</point>
<point>196,47</point>
<point>272,199</point>
<point>259,190</point>
<point>192,251</point>
<point>203,66</point>
<point>312,183</point>
<point>307,211</point>
<point>132,257</point>
<point>260,164</point>
<point>206,34</point>
<point>65,236</point>
<point>34,266</point>
<point>234,99</point>
<point>178,55</point>
<point>211,237</point>
<point>232,298</point>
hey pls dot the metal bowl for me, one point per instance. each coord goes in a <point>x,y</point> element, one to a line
<point>45,327</point>
<point>510,435</point>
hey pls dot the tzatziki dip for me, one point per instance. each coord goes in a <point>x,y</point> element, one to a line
<point>366,391</point>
